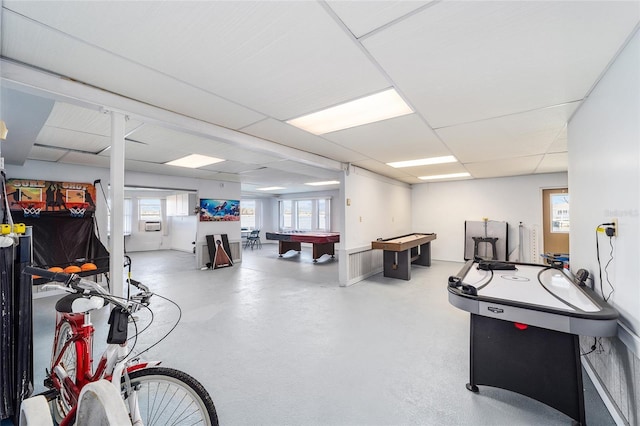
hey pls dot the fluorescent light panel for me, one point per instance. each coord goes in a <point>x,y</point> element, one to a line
<point>449,176</point>
<point>270,188</point>
<point>194,161</point>
<point>423,161</point>
<point>378,107</point>
<point>326,182</point>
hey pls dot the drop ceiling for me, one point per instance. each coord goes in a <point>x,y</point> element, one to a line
<point>492,83</point>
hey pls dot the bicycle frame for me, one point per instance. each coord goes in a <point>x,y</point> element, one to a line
<point>112,366</point>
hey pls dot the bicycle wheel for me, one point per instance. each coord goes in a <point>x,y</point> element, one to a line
<point>169,397</point>
<point>69,362</point>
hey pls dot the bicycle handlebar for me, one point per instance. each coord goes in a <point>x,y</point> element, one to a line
<point>60,277</point>
<point>81,285</point>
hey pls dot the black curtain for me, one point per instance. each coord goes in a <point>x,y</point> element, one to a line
<point>7,333</point>
<point>62,240</point>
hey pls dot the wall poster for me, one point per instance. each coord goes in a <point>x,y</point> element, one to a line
<point>35,197</point>
<point>219,210</point>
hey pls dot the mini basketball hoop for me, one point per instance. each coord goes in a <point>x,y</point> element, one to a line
<point>31,208</point>
<point>77,209</point>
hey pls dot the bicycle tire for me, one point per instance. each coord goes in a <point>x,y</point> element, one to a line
<point>165,394</point>
<point>69,361</point>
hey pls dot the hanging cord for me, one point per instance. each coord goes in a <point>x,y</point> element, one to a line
<point>7,208</point>
<point>106,202</point>
<point>608,296</point>
<point>128,265</point>
<point>606,272</point>
<point>596,347</point>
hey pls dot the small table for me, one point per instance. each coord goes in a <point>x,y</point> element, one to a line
<point>524,325</point>
<point>400,252</point>
<point>323,242</point>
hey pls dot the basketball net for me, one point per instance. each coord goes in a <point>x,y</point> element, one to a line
<point>77,211</point>
<point>30,210</point>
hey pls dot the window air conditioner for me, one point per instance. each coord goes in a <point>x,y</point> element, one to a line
<point>152,226</point>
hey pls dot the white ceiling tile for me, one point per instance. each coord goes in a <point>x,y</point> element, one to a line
<point>164,138</point>
<point>435,169</point>
<point>71,139</point>
<point>554,162</point>
<point>162,169</point>
<point>459,62</point>
<point>362,17</point>
<point>46,154</point>
<point>149,153</point>
<point>304,169</point>
<point>233,167</point>
<point>560,143</point>
<point>383,169</point>
<point>396,139</point>
<point>279,58</point>
<point>510,136</point>
<point>479,72</point>
<point>506,167</point>
<point>35,45</point>
<point>293,137</point>
<point>85,159</point>
<point>78,118</point>
<point>270,177</point>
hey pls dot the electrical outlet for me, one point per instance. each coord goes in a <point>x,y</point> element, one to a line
<point>615,227</point>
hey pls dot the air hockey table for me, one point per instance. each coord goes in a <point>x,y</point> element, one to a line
<point>323,242</point>
<point>524,328</point>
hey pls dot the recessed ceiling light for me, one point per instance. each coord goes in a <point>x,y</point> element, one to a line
<point>194,161</point>
<point>270,188</point>
<point>377,107</point>
<point>326,182</point>
<point>423,161</point>
<point>449,176</point>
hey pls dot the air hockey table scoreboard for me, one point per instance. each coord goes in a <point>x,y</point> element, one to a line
<point>524,328</point>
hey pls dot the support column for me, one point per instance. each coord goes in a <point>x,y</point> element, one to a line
<point>116,194</point>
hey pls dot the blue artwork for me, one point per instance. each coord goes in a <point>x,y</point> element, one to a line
<point>219,210</point>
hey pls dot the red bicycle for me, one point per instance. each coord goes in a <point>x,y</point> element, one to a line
<point>152,394</point>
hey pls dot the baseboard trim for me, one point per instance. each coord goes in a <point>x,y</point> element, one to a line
<point>629,338</point>
<point>606,398</point>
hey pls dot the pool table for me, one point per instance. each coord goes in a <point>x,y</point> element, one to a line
<point>323,242</point>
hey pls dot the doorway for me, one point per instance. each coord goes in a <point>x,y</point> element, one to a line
<point>555,220</point>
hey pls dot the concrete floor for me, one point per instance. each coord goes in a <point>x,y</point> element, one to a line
<point>276,341</point>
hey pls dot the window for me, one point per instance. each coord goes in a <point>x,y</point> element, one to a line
<point>559,213</point>
<point>127,208</point>
<point>323,215</point>
<point>128,213</point>
<point>286,217</point>
<point>305,214</point>
<point>248,214</point>
<point>149,209</point>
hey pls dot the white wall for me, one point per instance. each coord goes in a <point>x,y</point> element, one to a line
<point>604,178</point>
<point>379,208</point>
<point>140,240</point>
<point>375,207</point>
<point>183,232</point>
<point>443,208</point>
<point>269,211</point>
<point>604,174</point>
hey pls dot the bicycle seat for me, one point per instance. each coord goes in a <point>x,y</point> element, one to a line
<point>76,303</point>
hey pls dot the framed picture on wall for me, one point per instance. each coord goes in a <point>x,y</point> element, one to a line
<point>219,210</point>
